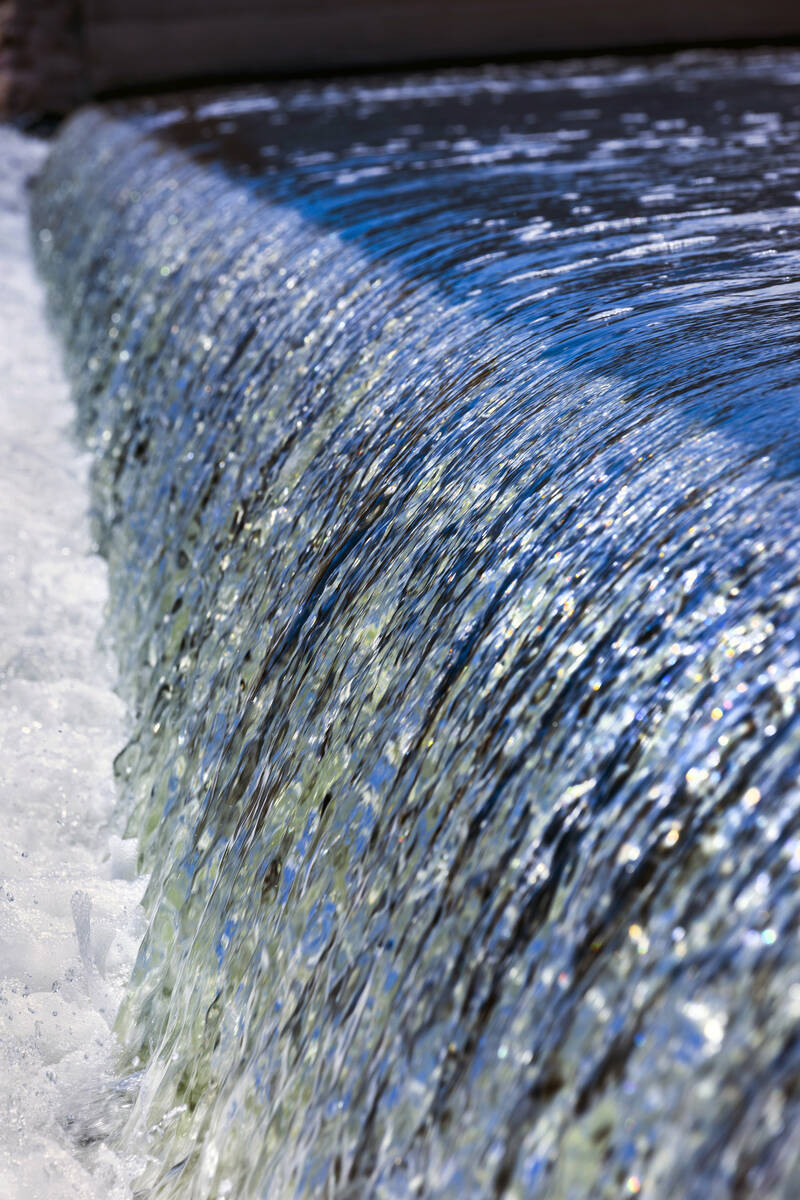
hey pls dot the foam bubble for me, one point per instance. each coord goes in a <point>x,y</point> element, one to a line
<point>69,892</point>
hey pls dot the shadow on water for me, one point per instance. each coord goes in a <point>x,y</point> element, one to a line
<point>446,466</point>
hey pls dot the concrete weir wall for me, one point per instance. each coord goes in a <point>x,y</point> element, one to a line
<point>42,67</point>
<point>55,53</point>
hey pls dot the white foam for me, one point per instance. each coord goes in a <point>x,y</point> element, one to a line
<point>69,896</point>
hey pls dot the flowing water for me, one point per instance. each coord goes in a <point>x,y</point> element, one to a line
<point>446,462</point>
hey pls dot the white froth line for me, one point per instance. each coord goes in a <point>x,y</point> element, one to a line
<point>70,920</point>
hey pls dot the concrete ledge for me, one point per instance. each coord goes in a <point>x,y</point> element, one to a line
<point>182,40</point>
<point>56,53</point>
<point>42,65</point>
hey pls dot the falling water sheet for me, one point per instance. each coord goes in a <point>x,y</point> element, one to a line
<point>446,464</point>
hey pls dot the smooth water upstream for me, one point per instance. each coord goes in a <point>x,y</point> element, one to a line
<point>447,466</point>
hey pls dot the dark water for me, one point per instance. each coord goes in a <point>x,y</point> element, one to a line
<point>447,465</point>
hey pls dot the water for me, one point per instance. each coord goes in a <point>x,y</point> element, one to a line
<point>446,463</point>
<point>69,917</point>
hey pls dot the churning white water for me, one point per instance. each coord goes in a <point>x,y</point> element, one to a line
<point>69,896</point>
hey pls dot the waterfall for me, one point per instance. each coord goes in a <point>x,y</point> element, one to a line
<point>446,465</point>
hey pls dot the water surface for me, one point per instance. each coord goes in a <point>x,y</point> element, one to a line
<point>447,467</point>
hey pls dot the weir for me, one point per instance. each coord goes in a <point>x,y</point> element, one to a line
<point>446,463</point>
